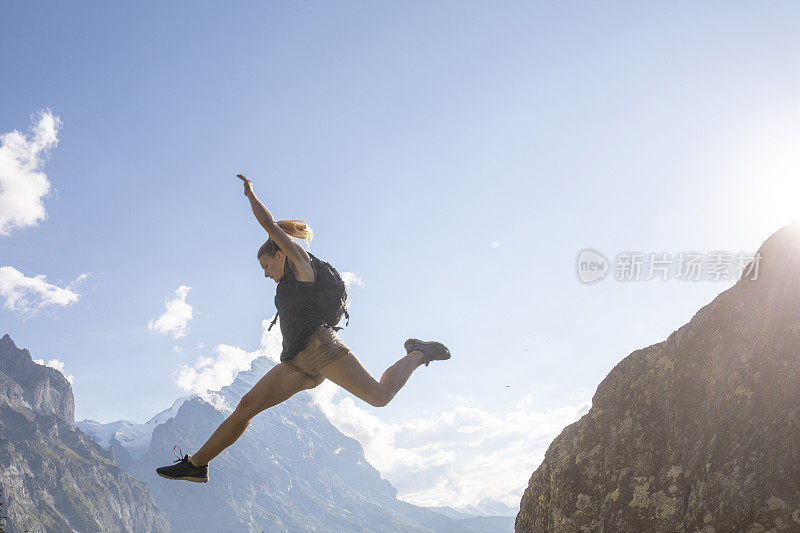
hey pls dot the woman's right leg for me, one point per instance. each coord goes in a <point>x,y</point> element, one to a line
<point>279,384</point>
<point>348,372</point>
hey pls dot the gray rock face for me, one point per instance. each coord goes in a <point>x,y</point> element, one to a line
<point>700,432</point>
<point>44,389</point>
<point>52,476</point>
<point>292,470</point>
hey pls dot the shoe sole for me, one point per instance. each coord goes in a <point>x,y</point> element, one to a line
<point>416,344</point>
<point>187,478</point>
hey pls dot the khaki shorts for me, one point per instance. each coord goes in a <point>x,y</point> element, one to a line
<point>324,346</point>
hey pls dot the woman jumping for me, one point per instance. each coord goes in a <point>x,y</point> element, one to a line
<point>312,350</point>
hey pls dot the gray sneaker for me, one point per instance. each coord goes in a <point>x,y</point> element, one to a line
<point>431,350</point>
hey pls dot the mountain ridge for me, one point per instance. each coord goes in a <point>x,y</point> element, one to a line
<point>292,470</point>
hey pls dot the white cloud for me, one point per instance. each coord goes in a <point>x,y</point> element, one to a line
<point>57,364</point>
<point>351,279</point>
<point>176,317</point>
<point>74,284</point>
<point>27,296</point>
<point>22,184</point>
<point>213,373</point>
<point>458,457</point>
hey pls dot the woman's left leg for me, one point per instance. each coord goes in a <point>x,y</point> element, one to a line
<point>348,372</point>
<point>279,384</point>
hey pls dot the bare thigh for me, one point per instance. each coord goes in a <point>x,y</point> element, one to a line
<point>279,384</point>
<point>348,372</point>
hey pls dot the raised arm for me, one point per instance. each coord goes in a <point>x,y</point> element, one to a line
<point>293,251</point>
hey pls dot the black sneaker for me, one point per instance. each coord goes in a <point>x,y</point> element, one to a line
<point>431,351</point>
<point>184,469</point>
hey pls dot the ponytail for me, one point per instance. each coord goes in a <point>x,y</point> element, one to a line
<point>297,229</point>
<point>293,228</point>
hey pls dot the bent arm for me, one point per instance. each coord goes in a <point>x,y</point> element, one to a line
<point>293,251</point>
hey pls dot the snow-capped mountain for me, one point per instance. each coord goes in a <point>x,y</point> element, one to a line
<point>486,507</point>
<point>133,437</point>
<point>292,470</point>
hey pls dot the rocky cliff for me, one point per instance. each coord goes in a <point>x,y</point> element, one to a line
<point>700,432</point>
<point>53,477</point>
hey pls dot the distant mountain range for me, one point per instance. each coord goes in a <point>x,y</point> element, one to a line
<point>135,440</point>
<point>133,437</point>
<point>486,507</point>
<point>292,470</point>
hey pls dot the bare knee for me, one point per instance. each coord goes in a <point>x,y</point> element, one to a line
<point>246,409</point>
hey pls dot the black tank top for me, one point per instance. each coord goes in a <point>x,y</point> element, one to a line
<point>300,315</point>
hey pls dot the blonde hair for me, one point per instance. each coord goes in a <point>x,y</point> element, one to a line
<point>293,228</point>
<point>297,229</point>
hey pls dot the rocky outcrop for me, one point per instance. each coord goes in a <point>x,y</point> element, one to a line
<point>700,432</point>
<point>43,389</point>
<point>53,477</point>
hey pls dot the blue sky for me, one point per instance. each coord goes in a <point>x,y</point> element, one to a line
<point>456,156</point>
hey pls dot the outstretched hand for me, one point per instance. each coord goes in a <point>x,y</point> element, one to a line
<point>248,185</point>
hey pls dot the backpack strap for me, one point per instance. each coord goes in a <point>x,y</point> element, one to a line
<point>315,268</point>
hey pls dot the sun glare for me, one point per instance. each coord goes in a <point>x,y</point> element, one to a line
<point>767,178</point>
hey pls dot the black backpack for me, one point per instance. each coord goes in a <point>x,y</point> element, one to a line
<point>331,292</point>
